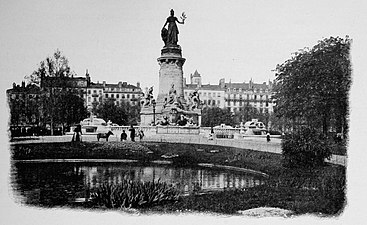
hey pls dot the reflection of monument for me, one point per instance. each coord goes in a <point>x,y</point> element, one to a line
<point>170,104</point>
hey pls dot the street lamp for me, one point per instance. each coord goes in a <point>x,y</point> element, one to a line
<point>153,104</point>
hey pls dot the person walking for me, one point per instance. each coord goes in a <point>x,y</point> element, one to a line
<point>132,133</point>
<point>141,134</point>
<point>268,137</point>
<point>123,136</point>
<point>211,135</point>
<point>77,137</point>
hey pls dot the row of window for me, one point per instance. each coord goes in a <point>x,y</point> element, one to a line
<point>253,90</point>
<point>261,110</point>
<point>95,99</point>
<point>209,94</point>
<point>112,89</point>
<point>100,90</point>
<point>248,96</point>
<point>246,103</point>
<point>211,102</point>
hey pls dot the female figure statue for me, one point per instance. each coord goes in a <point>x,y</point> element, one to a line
<point>170,36</point>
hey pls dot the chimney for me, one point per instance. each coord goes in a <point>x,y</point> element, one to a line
<point>104,83</point>
<point>222,82</point>
<point>23,84</point>
<point>124,84</point>
<point>138,84</point>
<point>87,77</point>
<point>120,84</point>
<point>14,85</point>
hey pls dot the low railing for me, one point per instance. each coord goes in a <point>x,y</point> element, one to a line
<point>204,131</point>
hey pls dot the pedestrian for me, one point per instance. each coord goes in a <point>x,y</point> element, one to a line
<point>268,137</point>
<point>141,134</point>
<point>123,136</point>
<point>211,135</point>
<point>77,137</point>
<point>132,133</point>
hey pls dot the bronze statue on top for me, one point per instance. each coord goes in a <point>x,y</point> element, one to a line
<point>170,35</point>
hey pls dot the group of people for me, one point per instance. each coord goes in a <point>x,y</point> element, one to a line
<point>133,134</point>
<point>77,136</point>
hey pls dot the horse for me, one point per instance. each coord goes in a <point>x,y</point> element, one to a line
<point>104,135</point>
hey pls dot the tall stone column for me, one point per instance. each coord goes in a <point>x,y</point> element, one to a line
<point>170,72</point>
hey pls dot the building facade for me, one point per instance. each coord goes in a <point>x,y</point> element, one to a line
<point>24,100</point>
<point>96,93</point>
<point>210,95</point>
<point>234,96</point>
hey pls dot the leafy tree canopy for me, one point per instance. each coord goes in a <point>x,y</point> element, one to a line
<point>55,66</point>
<point>123,114</point>
<point>312,87</point>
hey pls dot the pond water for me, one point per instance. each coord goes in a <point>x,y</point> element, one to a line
<point>60,183</point>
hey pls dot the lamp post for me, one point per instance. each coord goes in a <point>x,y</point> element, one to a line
<point>153,104</point>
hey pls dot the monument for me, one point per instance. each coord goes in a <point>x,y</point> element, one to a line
<point>170,107</point>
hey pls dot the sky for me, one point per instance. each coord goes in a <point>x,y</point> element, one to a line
<point>119,40</point>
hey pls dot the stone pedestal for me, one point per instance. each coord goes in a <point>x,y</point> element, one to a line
<point>170,107</point>
<point>171,72</point>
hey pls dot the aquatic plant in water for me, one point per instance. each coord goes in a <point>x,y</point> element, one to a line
<point>133,194</point>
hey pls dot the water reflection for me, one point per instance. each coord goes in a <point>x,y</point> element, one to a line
<point>60,183</point>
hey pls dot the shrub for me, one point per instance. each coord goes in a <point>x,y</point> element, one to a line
<point>133,194</point>
<point>305,148</point>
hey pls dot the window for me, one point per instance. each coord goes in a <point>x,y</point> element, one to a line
<point>112,96</point>
<point>94,91</point>
<point>132,96</point>
<point>204,93</point>
<point>214,94</point>
<point>218,102</point>
<point>106,95</point>
<point>209,94</point>
<point>89,99</point>
<point>112,89</point>
<point>204,102</point>
<point>128,96</point>
<point>255,97</point>
<point>94,99</point>
<point>117,95</point>
<point>89,92</point>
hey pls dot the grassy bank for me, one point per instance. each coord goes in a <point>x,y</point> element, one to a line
<point>318,190</point>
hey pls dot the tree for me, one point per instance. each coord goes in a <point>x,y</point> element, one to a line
<point>71,108</point>
<point>65,108</point>
<point>312,87</point>
<point>59,105</point>
<point>123,114</point>
<point>213,116</point>
<point>247,113</point>
<point>55,66</point>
